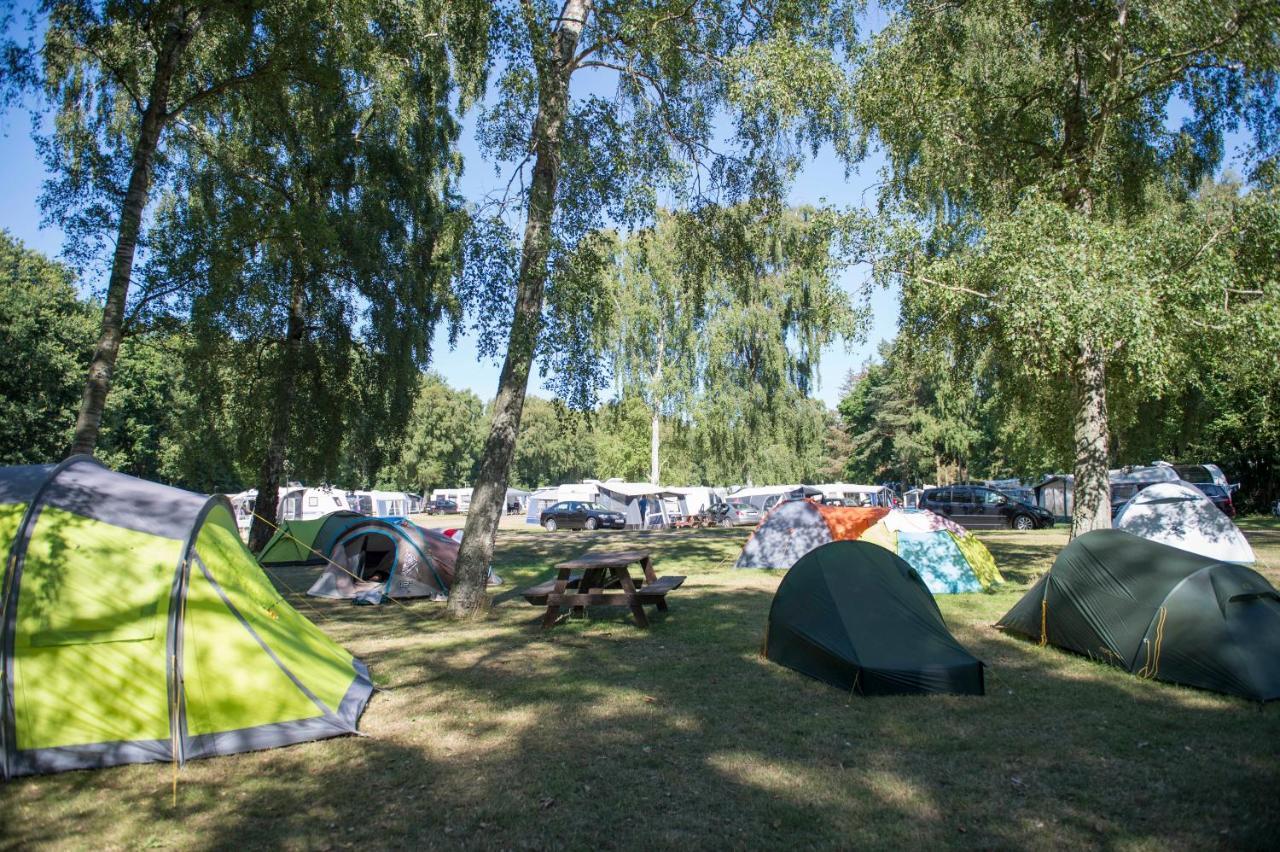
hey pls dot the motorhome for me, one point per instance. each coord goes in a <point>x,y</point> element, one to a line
<point>380,504</point>
<point>294,503</point>
<point>517,498</point>
<point>859,495</point>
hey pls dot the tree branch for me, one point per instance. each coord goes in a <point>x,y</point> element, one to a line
<point>218,88</point>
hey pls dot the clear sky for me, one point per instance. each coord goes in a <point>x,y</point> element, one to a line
<point>823,181</point>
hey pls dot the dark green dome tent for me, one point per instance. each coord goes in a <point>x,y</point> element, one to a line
<point>1158,612</point>
<point>136,627</point>
<point>856,616</point>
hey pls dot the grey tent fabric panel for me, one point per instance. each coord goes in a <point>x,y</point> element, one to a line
<point>265,736</point>
<point>785,534</point>
<point>19,484</point>
<point>88,489</point>
<point>93,756</point>
<point>357,697</point>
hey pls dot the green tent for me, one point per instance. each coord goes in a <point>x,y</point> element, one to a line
<point>1158,611</point>
<point>304,542</point>
<point>136,627</point>
<point>856,616</point>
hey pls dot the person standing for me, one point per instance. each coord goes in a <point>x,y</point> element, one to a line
<point>644,510</point>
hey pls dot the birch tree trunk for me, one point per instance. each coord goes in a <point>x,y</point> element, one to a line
<point>655,394</point>
<point>1092,483</point>
<point>154,118</point>
<point>467,597</point>
<point>266,511</point>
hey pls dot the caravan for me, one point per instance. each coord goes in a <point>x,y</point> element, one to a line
<point>294,503</point>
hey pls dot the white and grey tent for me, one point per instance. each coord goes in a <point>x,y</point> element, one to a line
<point>660,503</point>
<point>1180,515</point>
<point>763,497</point>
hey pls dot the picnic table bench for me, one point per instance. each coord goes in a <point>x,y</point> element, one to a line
<point>603,578</point>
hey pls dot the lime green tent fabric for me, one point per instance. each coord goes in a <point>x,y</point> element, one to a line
<point>136,627</point>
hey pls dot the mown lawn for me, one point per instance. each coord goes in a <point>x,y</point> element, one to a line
<point>597,734</point>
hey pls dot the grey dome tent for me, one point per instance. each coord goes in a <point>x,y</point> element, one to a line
<point>858,617</point>
<point>1158,612</point>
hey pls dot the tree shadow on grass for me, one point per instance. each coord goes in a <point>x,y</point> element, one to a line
<point>597,734</point>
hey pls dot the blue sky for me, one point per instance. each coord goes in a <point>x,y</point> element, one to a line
<point>823,181</point>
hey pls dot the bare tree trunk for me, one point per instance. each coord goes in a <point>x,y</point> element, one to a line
<point>103,364</point>
<point>266,511</point>
<point>467,596</point>
<point>1092,483</point>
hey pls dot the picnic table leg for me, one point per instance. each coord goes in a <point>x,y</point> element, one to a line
<point>590,577</point>
<point>553,609</point>
<point>637,608</point>
<point>646,565</point>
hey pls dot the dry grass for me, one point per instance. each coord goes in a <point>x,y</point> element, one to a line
<point>599,735</point>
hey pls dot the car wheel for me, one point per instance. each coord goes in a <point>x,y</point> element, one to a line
<point>592,523</point>
<point>1023,522</point>
<point>550,524</point>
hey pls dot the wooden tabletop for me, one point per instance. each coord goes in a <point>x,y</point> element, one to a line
<point>605,559</point>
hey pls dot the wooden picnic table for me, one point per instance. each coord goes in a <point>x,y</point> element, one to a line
<point>603,579</point>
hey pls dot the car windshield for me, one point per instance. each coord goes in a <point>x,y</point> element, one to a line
<point>742,507</point>
<point>594,507</point>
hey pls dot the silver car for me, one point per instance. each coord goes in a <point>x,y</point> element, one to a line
<point>741,514</point>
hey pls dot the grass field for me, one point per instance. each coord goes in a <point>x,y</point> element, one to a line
<point>597,734</point>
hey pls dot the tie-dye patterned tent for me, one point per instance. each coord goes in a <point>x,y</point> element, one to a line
<point>946,555</point>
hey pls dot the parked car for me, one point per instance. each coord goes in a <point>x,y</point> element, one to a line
<point>1210,479</point>
<point>977,506</point>
<point>1220,495</point>
<point>440,506</point>
<point>734,514</point>
<point>580,515</point>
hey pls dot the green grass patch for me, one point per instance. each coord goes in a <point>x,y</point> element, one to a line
<point>597,734</point>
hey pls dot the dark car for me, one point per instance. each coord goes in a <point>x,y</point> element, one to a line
<point>1219,495</point>
<point>977,506</point>
<point>581,515</point>
<point>440,506</point>
<point>1208,478</point>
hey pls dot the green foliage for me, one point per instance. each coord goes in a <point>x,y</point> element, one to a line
<point>721,319</point>
<point>45,335</point>
<point>443,440</point>
<point>555,446</point>
<point>1038,200</point>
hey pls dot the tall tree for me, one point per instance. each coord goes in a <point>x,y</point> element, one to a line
<point>1041,132</point>
<point>677,64</point>
<point>314,212</point>
<point>554,446</point>
<point>120,74</point>
<point>653,342</point>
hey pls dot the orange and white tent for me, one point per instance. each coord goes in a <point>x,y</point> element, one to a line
<point>945,555</point>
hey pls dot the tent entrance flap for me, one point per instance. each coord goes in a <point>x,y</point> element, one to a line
<point>371,556</point>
